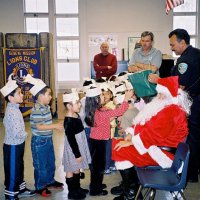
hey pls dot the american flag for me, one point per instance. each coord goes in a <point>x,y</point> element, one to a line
<point>170,4</point>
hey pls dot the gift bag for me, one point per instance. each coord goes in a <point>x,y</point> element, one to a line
<point>141,85</point>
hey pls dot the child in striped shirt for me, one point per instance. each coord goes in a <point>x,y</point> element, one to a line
<point>42,143</point>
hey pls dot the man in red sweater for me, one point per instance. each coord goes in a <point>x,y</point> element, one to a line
<point>105,63</point>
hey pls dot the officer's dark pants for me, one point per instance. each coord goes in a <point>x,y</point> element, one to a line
<point>193,139</point>
<point>98,152</point>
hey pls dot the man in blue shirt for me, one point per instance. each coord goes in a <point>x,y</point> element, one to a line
<point>145,57</point>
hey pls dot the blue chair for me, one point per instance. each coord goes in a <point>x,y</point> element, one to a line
<point>172,179</point>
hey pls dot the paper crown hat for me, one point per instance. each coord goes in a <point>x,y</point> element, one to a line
<point>119,98</point>
<point>104,86</point>
<point>118,88</point>
<point>90,82</point>
<point>10,86</point>
<point>71,97</point>
<point>168,86</point>
<point>38,84</point>
<point>93,92</point>
<point>128,85</point>
<point>122,76</point>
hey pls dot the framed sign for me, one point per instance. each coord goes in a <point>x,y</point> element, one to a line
<point>133,43</point>
<point>19,63</point>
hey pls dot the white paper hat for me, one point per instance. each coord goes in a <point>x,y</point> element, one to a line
<point>93,92</point>
<point>10,86</point>
<point>85,88</point>
<point>128,85</point>
<point>38,84</point>
<point>119,98</point>
<point>104,86</point>
<point>119,88</point>
<point>113,83</point>
<point>100,81</point>
<point>72,97</point>
<point>123,77</point>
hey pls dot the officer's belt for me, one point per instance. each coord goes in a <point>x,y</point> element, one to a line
<point>169,149</point>
<point>194,95</point>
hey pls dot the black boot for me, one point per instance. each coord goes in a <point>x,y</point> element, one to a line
<point>130,184</point>
<point>118,190</point>
<point>77,181</point>
<point>74,192</point>
<point>96,186</point>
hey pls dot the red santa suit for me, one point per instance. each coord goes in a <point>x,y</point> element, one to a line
<point>166,126</point>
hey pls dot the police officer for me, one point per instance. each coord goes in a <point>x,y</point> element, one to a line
<point>188,69</point>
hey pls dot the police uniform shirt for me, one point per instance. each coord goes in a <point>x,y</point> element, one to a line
<point>188,70</point>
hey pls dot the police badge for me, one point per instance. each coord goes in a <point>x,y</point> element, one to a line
<point>182,67</point>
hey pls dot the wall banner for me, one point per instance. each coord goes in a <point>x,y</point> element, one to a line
<point>19,63</point>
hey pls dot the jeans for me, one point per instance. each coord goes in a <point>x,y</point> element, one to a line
<point>43,161</point>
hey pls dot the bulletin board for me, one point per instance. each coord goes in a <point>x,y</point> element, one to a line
<point>95,41</point>
<point>131,45</point>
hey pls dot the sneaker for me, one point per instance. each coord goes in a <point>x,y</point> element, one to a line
<point>113,169</point>
<point>7,197</point>
<point>107,171</point>
<point>44,192</point>
<point>26,193</point>
<point>56,185</point>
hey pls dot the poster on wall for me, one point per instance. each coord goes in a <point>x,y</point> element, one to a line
<point>95,41</point>
<point>19,63</point>
<point>132,45</point>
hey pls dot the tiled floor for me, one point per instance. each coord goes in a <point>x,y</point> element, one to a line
<point>192,191</point>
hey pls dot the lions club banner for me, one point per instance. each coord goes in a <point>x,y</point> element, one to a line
<point>19,63</point>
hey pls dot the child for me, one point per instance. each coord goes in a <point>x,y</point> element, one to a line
<point>86,85</point>
<point>76,152</point>
<point>127,118</point>
<point>99,120</point>
<point>41,143</point>
<point>108,98</point>
<point>14,144</point>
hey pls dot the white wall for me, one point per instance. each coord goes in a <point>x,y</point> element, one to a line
<point>124,18</point>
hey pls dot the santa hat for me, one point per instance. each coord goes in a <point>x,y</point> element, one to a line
<point>71,97</point>
<point>168,86</point>
<point>10,86</point>
<point>93,92</point>
<point>38,84</point>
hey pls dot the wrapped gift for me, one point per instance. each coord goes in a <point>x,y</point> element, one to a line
<point>141,85</point>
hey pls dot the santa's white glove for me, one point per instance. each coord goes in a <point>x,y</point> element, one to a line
<point>129,130</point>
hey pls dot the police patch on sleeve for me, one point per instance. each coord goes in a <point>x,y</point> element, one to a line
<point>182,67</point>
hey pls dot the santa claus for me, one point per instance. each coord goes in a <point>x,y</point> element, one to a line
<point>156,131</point>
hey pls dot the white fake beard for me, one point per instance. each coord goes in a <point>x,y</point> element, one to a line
<point>151,109</point>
